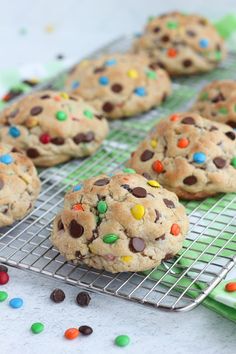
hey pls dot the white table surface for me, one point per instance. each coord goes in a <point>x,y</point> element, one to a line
<point>79,26</point>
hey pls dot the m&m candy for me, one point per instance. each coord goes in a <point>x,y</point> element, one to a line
<point>3,296</point>
<point>37,327</point>
<point>122,340</point>
<point>71,333</point>
<point>199,157</point>
<point>4,278</point>
<point>16,303</point>
<point>14,132</point>
<point>6,159</point>
<point>230,287</point>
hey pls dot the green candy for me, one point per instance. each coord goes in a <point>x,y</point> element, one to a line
<point>88,114</point>
<point>151,74</point>
<point>172,25</point>
<point>37,327</point>
<point>223,110</point>
<point>128,170</point>
<point>204,96</point>
<point>218,55</point>
<point>122,340</point>
<point>233,162</point>
<point>102,207</point>
<point>3,296</point>
<point>110,238</point>
<point>60,115</point>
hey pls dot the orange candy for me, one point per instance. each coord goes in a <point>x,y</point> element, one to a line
<point>183,143</point>
<point>175,229</point>
<point>174,117</point>
<point>230,287</point>
<point>57,98</point>
<point>172,52</point>
<point>157,166</point>
<point>71,333</point>
<point>78,207</point>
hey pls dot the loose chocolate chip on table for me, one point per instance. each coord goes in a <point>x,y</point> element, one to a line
<point>116,88</point>
<point>169,203</point>
<point>32,153</point>
<point>102,182</point>
<point>157,215</point>
<point>44,97</point>
<point>188,120</point>
<point>190,180</point>
<point>36,110</point>
<point>3,268</point>
<point>60,225</point>
<point>57,141</point>
<point>219,162</point>
<point>146,155</point>
<point>230,135</point>
<point>1,184</point>
<point>187,63</point>
<point>139,192</point>
<point>76,230</point>
<point>57,295</point>
<point>136,244</point>
<point>232,123</point>
<point>108,107</point>
<point>85,330</point>
<point>83,299</point>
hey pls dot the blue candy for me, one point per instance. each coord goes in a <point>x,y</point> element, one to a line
<point>14,132</point>
<point>110,62</point>
<point>6,159</point>
<point>203,43</point>
<point>199,157</point>
<point>103,80</point>
<point>77,188</point>
<point>75,85</point>
<point>16,303</point>
<point>140,91</point>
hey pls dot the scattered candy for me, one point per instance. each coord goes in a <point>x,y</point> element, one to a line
<point>138,211</point>
<point>71,333</point>
<point>122,340</point>
<point>57,296</point>
<point>199,157</point>
<point>230,287</point>
<point>6,159</point>
<point>140,91</point>
<point>103,80</point>
<point>175,229</point>
<point>110,238</point>
<point>14,132</point>
<point>83,299</point>
<point>154,183</point>
<point>157,166</point>
<point>171,52</point>
<point>61,116</point>
<point>85,330</point>
<point>102,207</point>
<point>4,278</point>
<point>37,327</point>
<point>3,296</point>
<point>16,303</point>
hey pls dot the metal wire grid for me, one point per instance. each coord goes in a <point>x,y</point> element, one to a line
<point>179,284</point>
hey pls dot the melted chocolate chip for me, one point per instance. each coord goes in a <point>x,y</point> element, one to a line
<point>32,153</point>
<point>202,22</point>
<point>219,162</point>
<point>73,98</point>
<point>188,120</point>
<point>158,215</point>
<point>218,98</point>
<point>60,225</point>
<point>83,138</point>
<point>102,182</point>
<point>116,88</point>
<point>146,175</point>
<point>57,141</point>
<point>164,97</point>
<point>187,63</point>
<point>79,255</point>
<point>57,296</point>
<point>139,192</point>
<point>1,184</point>
<point>213,128</point>
<point>99,70</point>
<point>36,110</point>
<point>14,113</point>
<point>165,38</point>
<point>169,203</point>
<point>136,244</point>
<point>76,230</point>
<point>230,135</point>
<point>190,180</point>
<point>108,107</point>
<point>146,155</point>
<point>191,33</point>
<point>232,123</point>
<point>156,29</point>
<point>45,97</point>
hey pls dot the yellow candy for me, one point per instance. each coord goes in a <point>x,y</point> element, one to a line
<point>126,259</point>
<point>64,95</point>
<point>154,183</point>
<point>153,143</point>
<point>132,73</point>
<point>31,122</point>
<point>138,211</point>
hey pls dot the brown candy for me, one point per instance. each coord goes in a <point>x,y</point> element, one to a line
<point>83,299</point>
<point>57,296</point>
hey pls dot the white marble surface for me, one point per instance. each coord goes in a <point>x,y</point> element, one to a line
<point>79,27</point>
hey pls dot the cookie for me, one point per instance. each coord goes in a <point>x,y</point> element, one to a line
<point>19,185</point>
<point>181,44</point>
<point>120,223</point>
<point>53,127</point>
<point>119,85</point>
<point>189,155</point>
<point>217,101</point>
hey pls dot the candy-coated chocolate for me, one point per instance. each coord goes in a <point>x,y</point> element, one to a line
<point>175,230</point>
<point>199,157</point>
<point>157,166</point>
<point>133,74</point>
<point>154,183</point>
<point>3,296</point>
<point>102,206</point>
<point>110,238</point>
<point>4,278</point>
<point>71,333</point>
<point>14,132</point>
<point>103,80</point>
<point>138,211</point>
<point>16,303</point>
<point>129,170</point>
<point>61,116</point>
<point>37,327</point>
<point>88,114</point>
<point>6,159</point>
<point>77,188</point>
<point>122,340</point>
<point>230,287</point>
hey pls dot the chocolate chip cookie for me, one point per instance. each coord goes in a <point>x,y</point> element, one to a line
<point>19,185</point>
<point>53,127</point>
<point>120,223</point>
<point>217,101</point>
<point>189,155</point>
<point>180,43</point>
<point>119,85</point>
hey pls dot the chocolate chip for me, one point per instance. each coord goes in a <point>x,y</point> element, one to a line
<point>202,22</point>
<point>169,203</point>
<point>57,296</point>
<point>164,97</point>
<point>230,135</point>
<point>187,63</point>
<point>156,29</point>
<point>73,98</point>
<point>218,98</point>
<point>146,175</point>
<point>83,138</point>
<point>57,141</point>
<point>36,110</point>
<point>1,184</point>
<point>102,182</point>
<point>167,257</point>
<point>188,120</point>
<point>139,192</point>
<point>99,116</point>
<point>136,244</point>
<point>218,47</point>
<point>79,255</point>
<point>158,215</point>
<point>83,299</point>
<point>14,113</point>
<point>213,128</point>
<point>60,225</point>
<point>45,97</point>
<point>32,153</point>
<point>191,33</point>
<point>165,38</point>
<point>232,123</point>
<point>108,107</point>
<point>146,155</point>
<point>89,137</point>
<point>116,88</point>
<point>190,180</point>
<point>76,230</point>
<point>85,330</point>
<point>3,268</point>
<point>99,70</point>
<point>219,162</point>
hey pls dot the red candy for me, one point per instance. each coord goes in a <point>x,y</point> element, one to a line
<point>157,166</point>
<point>175,230</point>
<point>172,52</point>
<point>45,138</point>
<point>78,207</point>
<point>183,143</point>
<point>174,117</point>
<point>4,278</point>
<point>230,287</point>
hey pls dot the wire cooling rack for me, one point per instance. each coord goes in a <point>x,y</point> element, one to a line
<point>178,284</point>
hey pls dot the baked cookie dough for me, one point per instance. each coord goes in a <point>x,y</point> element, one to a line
<point>189,155</point>
<point>119,85</point>
<point>53,127</point>
<point>217,101</point>
<point>19,185</point>
<point>120,223</point>
<point>181,44</point>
